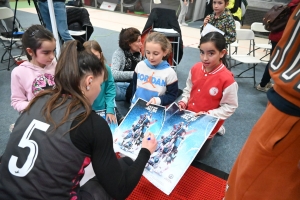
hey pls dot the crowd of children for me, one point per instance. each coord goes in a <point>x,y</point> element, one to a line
<point>211,89</point>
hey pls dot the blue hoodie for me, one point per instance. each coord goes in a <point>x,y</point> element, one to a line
<point>159,82</point>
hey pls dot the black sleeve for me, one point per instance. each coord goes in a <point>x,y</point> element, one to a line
<point>95,138</point>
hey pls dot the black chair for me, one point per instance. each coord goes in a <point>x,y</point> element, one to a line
<point>166,19</point>
<point>8,38</point>
<point>79,23</point>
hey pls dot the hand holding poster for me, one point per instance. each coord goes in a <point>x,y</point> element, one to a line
<point>138,121</point>
<point>179,141</point>
<point>180,136</point>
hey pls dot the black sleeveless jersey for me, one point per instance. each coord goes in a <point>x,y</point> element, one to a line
<point>40,162</point>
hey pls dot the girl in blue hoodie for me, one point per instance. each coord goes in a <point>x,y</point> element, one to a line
<point>154,80</point>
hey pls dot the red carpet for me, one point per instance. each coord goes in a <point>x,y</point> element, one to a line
<point>196,184</point>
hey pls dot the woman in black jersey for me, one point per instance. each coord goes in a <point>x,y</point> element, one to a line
<point>58,135</point>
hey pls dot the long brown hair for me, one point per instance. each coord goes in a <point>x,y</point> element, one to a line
<point>73,65</point>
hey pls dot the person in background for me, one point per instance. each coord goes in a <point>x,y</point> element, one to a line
<point>60,17</point>
<point>124,61</point>
<point>153,79</point>
<point>236,7</point>
<point>274,36</point>
<point>222,19</point>
<point>106,98</point>
<point>210,86</point>
<point>63,135</point>
<point>268,165</point>
<point>36,74</point>
<point>184,5</point>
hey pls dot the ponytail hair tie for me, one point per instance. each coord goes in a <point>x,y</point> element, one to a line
<point>80,46</point>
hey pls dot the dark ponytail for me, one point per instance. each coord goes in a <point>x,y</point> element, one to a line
<point>73,65</point>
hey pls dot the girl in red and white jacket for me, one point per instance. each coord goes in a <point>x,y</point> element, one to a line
<point>210,86</point>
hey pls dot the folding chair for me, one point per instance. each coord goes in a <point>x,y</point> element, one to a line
<point>259,28</point>
<point>235,44</point>
<point>79,24</point>
<point>8,38</point>
<point>246,34</point>
<point>165,21</point>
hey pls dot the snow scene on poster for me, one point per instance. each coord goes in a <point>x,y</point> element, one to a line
<point>140,120</point>
<point>179,141</point>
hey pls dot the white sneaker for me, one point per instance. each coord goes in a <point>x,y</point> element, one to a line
<point>266,88</point>
<point>11,127</point>
<point>221,130</point>
<point>184,24</point>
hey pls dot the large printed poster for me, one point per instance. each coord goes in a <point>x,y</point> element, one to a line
<point>140,120</point>
<point>179,141</point>
<point>180,136</point>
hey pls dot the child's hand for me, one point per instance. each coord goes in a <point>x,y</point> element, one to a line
<point>181,106</point>
<point>201,113</point>
<point>152,101</point>
<point>206,20</point>
<point>111,118</point>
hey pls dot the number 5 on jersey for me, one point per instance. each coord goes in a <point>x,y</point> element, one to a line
<point>33,147</point>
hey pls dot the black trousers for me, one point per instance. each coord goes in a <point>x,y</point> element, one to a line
<point>266,76</point>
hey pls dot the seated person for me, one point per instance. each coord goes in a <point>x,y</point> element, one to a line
<point>64,135</point>
<point>124,61</point>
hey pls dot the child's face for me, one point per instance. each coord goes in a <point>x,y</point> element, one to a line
<point>44,55</point>
<point>210,55</point>
<point>219,6</point>
<point>154,53</point>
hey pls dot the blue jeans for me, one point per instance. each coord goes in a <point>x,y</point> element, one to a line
<point>121,88</point>
<point>60,16</point>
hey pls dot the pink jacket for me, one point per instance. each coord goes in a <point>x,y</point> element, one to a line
<point>27,80</point>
